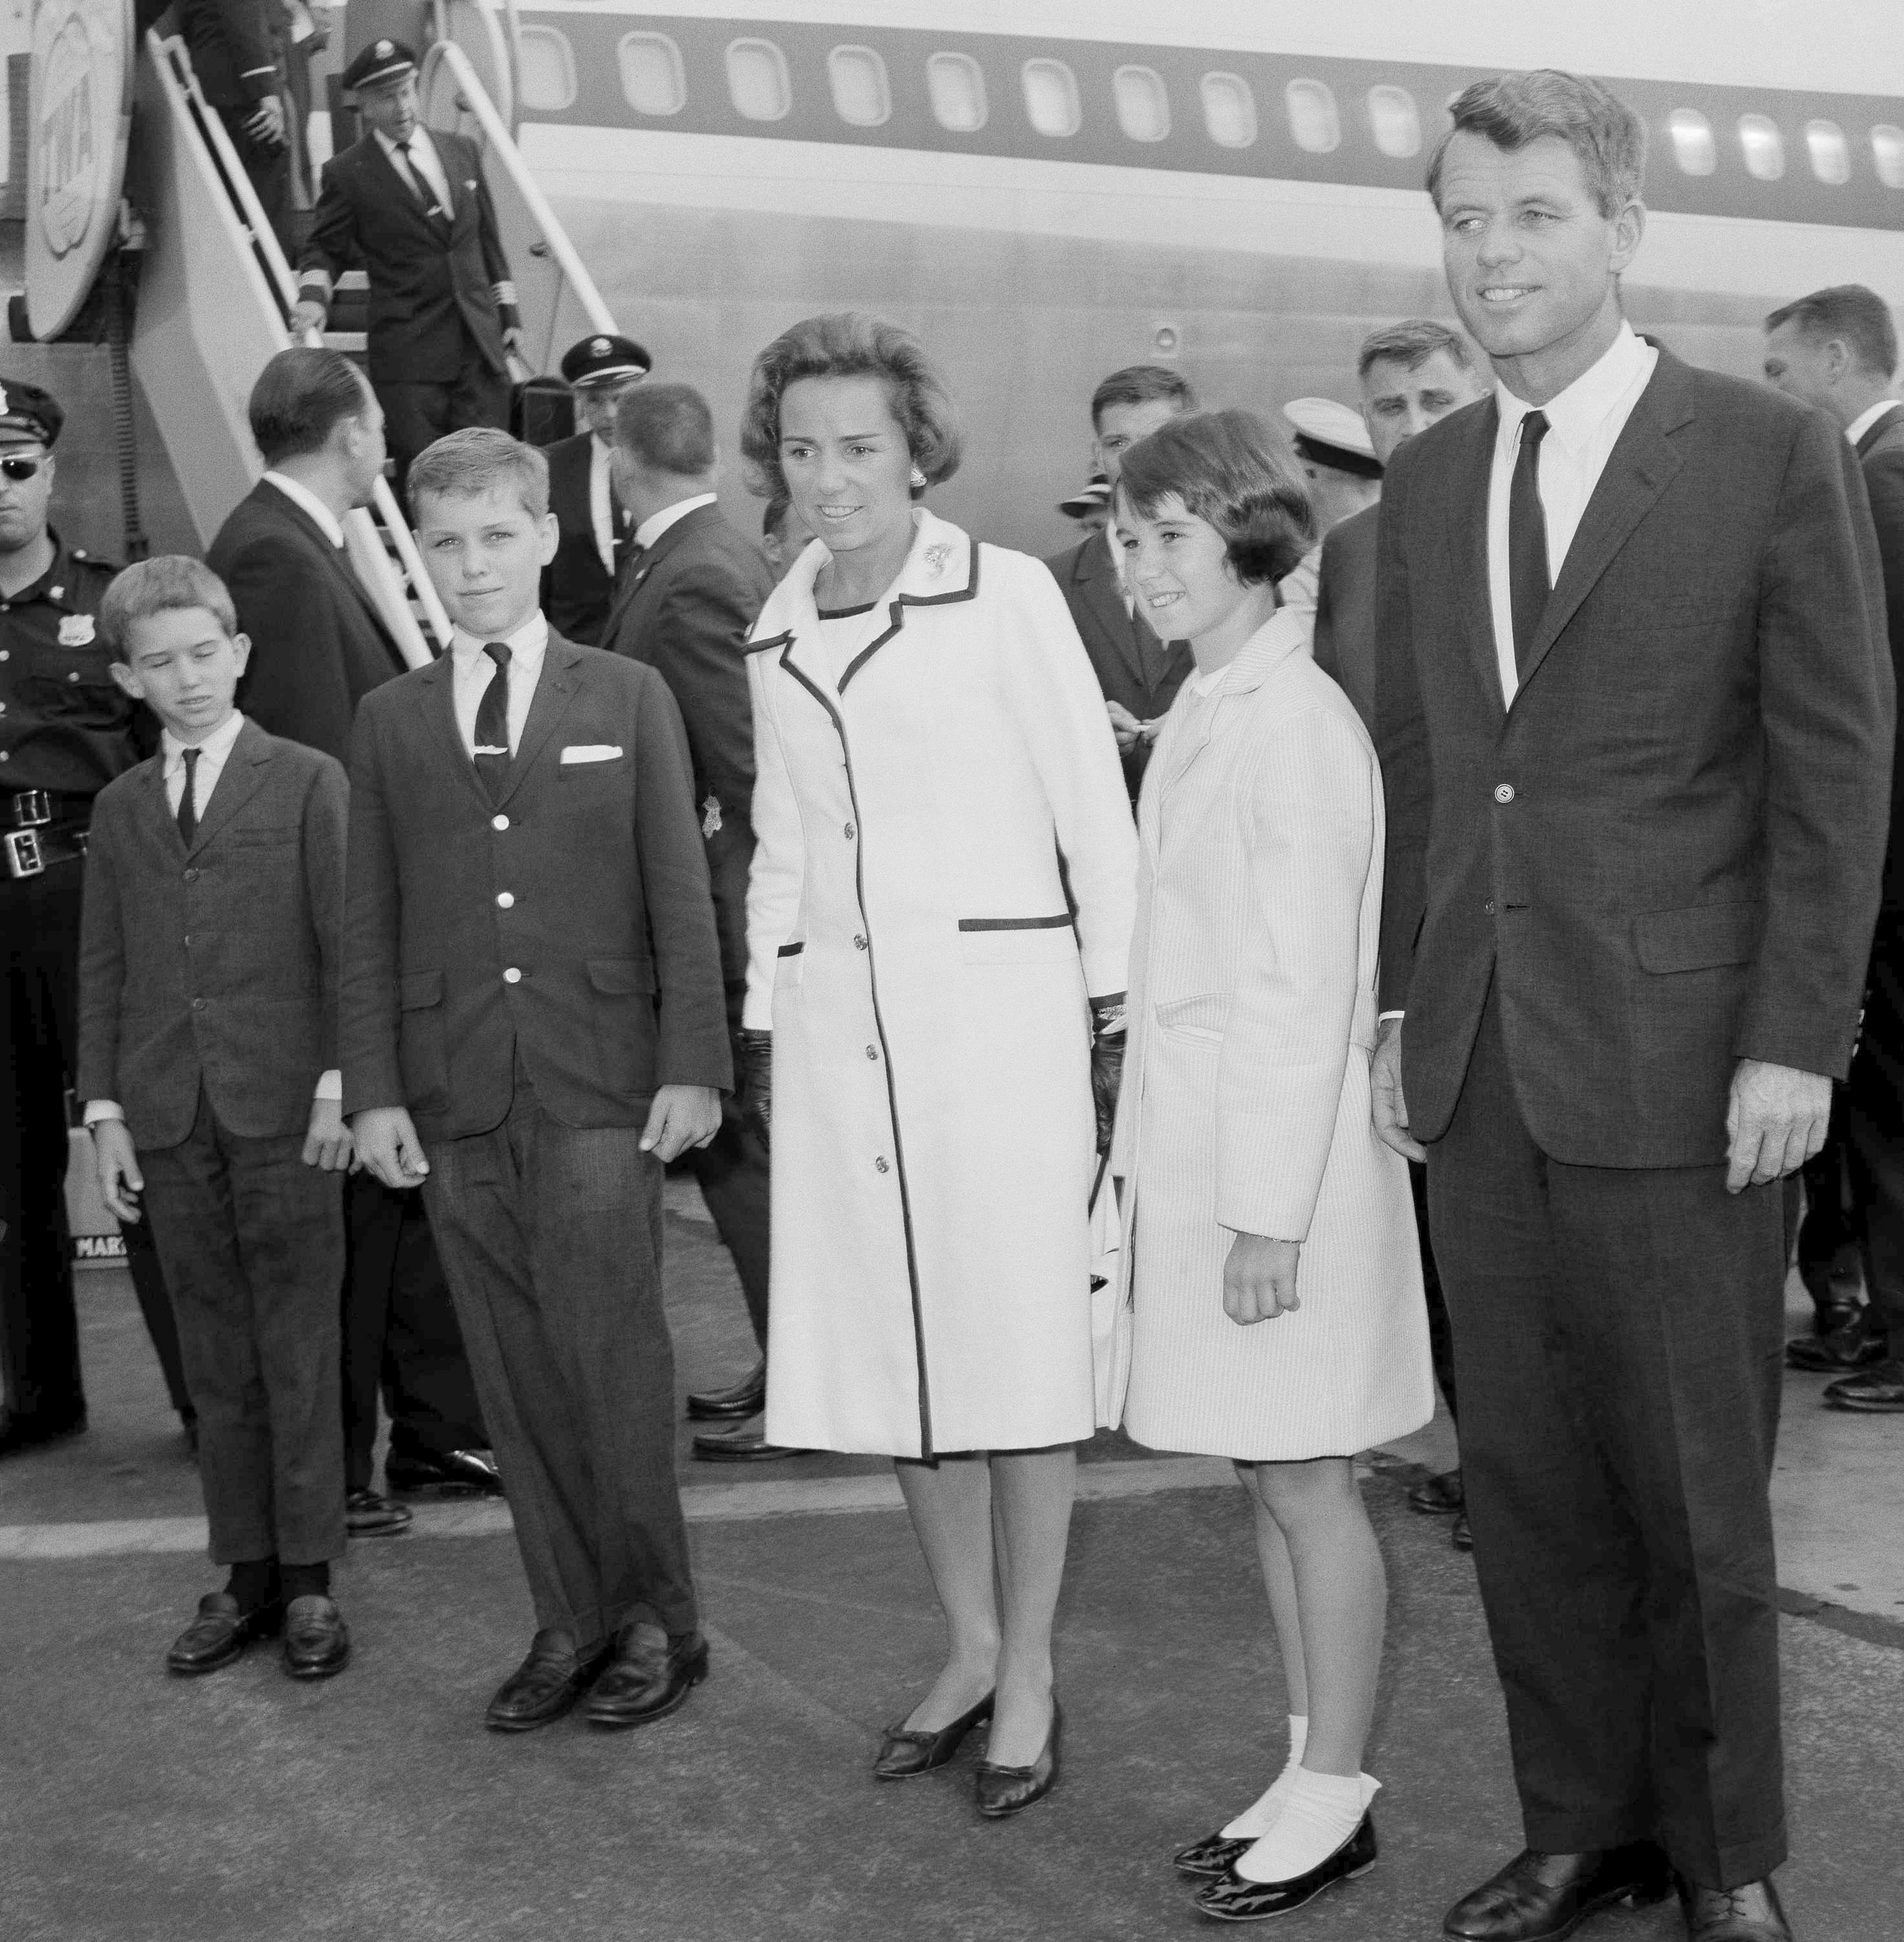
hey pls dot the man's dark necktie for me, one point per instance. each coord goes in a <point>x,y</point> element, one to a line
<point>492,723</point>
<point>431,204</point>
<point>1527,574</point>
<point>188,804</point>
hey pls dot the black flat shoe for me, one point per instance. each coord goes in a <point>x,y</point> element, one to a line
<point>1001,1790</point>
<point>544,1687</point>
<point>646,1681</point>
<point>220,1633</point>
<point>907,1751</point>
<point>1233,1899</point>
<point>1439,1496</point>
<point>456,1473</point>
<point>316,1640</point>
<point>747,1398</point>
<point>1542,1898</point>
<point>1212,1857</point>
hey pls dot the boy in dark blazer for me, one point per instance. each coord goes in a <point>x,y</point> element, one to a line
<point>207,1059</point>
<point>533,1025</point>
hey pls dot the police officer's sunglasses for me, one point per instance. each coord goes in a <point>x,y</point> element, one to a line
<point>19,469</point>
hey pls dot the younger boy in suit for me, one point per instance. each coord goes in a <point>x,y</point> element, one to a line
<point>207,1054</point>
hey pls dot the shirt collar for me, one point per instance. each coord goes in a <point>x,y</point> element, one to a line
<point>526,645</point>
<point>1576,414</point>
<point>1862,422</point>
<point>656,524</point>
<point>395,148</point>
<point>215,747</point>
<point>303,496</point>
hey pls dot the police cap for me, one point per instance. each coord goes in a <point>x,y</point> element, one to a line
<point>380,63</point>
<point>28,415</point>
<point>605,359</point>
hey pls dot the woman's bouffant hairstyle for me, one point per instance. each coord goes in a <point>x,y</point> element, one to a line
<point>1235,471</point>
<point>848,344</point>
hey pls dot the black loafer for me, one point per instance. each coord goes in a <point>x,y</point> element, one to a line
<point>740,1445</point>
<point>908,1751</point>
<point>1541,1897</point>
<point>1440,1496</point>
<point>457,1472</point>
<point>544,1687</point>
<point>747,1398</point>
<point>1212,1857</point>
<point>316,1640</point>
<point>220,1633</point>
<point>1233,1899</point>
<point>1752,1913</point>
<point>1001,1790</point>
<point>368,1514</point>
<point>645,1681</point>
<point>1877,1391</point>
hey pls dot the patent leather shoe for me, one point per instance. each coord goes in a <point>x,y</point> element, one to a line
<point>1233,1899</point>
<point>316,1640</point>
<point>457,1472</point>
<point>747,1398</point>
<point>1440,1496</point>
<point>544,1686</point>
<point>220,1633</point>
<point>740,1445</point>
<point>1752,1913</point>
<point>1001,1790</point>
<point>908,1751</point>
<point>1213,1856</point>
<point>367,1514</point>
<point>1877,1391</point>
<point>1861,1342</point>
<point>1541,1898</point>
<point>646,1678</point>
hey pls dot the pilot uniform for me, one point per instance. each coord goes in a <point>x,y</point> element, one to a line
<point>578,585</point>
<point>66,730</point>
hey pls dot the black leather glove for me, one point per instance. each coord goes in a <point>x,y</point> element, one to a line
<point>1107,1063</point>
<point>753,1059</point>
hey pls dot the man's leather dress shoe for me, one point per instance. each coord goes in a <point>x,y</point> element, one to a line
<point>1233,1899</point>
<point>1440,1496</point>
<point>457,1471</point>
<point>1539,1897</point>
<point>220,1633</point>
<point>1864,1340</point>
<point>740,1445</point>
<point>1748,1914</point>
<point>646,1679</point>
<point>368,1514</point>
<point>1877,1391</point>
<point>35,1432</point>
<point>1000,1791</point>
<point>1461,1535</point>
<point>747,1398</point>
<point>908,1751</point>
<point>544,1686</point>
<point>316,1640</point>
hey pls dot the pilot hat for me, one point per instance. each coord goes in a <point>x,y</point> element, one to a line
<point>1328,433</point>
<point>604,359</point>
<point>379,64</point>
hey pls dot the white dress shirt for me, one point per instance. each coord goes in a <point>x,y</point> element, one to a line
<point>303,496</point>
<point>602,503</point>
<point>213,752</point>
<point>472,671</point>
<point>656,524</point>
<point>1584,423</point>
<point>420,157</point>
<point>1862,422</point>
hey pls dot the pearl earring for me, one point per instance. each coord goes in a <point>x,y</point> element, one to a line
<point>918,480</point>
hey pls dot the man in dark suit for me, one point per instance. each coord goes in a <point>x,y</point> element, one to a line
<point>595,530</point>
<point>532,1026</point>
<point>234,56</point>
<point>319,646</point>
<point>691,593</point>
<point>1636,726</point>
<point>412,206</point>
<point>1837,349</point>
<point>1139,674</point>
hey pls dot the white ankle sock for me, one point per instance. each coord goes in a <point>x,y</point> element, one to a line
<point>1257,1818</point>
<point>1320,1811</point>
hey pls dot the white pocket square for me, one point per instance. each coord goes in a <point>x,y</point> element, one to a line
<point>592,752</point>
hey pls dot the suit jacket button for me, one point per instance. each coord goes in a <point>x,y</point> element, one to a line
<point>499,823</point>
<point>1503,793</point>
<point>198,1004</point>
<point>191,876</point>
<point>512,976</point>
<point>506,899</point>
<point>1489,907</point>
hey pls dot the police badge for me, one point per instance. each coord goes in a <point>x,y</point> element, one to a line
<point>76,630</point>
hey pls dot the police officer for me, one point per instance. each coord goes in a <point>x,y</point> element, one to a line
<point>595,529</point>
<point>65,731</point>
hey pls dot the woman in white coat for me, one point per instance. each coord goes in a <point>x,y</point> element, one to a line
<point>1277,1304</point>
<point>939,909</point>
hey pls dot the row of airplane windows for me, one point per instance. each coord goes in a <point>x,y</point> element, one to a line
<point>654,82</point>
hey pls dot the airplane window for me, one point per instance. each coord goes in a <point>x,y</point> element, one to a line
<point>1693,146</point>
<point>1312,118</point>
<point>653,80</point>
<point>1764,146</point>
<point>545,73</point>
<point>1229,110</point>
<point>957,85</point>
<point>1051,97</point>
<point>1142,103</point>
<point>756,80</point>
<point>860,93</point>
<point>1831,158</point>
<point>1888,154</point>
<point>1397,127</point>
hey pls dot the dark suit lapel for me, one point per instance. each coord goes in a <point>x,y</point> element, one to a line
<point>241,778</point>
<point>1097,579</point>
<point>1877,429</point>
<point>1464,513</point>
<point>553,692</point>
<point>437,697</point>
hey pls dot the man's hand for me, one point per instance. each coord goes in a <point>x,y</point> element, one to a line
<point>306,317</point>
<point>267,124</point>
<point>1389,1107</point>
<point>120,1182</point>
<point>387,1144</point>
<point>1775,1122</point>
<point>681,1116</point>
<point>1259,1278</point>
<point>327,1141</point>
<point>1124,726</point>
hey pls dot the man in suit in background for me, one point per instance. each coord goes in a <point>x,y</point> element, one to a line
<point>532,1026</point>
<point>413,207</point>
<point>319,647</point>
<point>690,596</point>
<point>1139,674</point>
<point>234,55</point>
<point>1637,718</point>
<point>1837,349</point>
<point>594,527</point>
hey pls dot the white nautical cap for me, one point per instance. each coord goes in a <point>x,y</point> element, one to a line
<point>1328,433</point>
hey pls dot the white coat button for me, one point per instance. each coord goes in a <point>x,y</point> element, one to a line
<point>512,976</point>
<point>506,899</point>
<point>499,823</point>
<point>849,832</point>
<point>1505,792</point>
<point>859,944</point>
<point>872,1051</point>
<point>880,1166</point>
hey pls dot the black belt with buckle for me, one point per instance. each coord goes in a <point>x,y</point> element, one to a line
<point>40,831</point>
